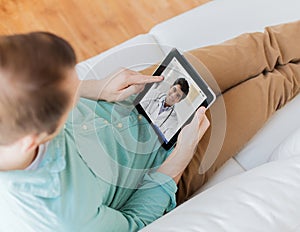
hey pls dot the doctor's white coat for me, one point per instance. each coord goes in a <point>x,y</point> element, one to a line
<point>166,121</point>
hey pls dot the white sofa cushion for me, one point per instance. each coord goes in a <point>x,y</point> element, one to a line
<point>288,148</point>
<point>283,123</point>
<point>220,20</point>
<point>136,54</point>
<point>229,169</point>
<point>263,199</point>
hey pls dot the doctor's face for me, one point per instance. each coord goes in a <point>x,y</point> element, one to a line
<point>174,95</point>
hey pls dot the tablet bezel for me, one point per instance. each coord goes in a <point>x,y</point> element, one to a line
<point>210,95</point>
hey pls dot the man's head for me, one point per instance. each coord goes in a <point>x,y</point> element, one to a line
<point>35,70</point>
<point>178,91</point>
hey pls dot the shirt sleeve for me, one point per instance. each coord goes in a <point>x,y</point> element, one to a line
<point>155,196</point>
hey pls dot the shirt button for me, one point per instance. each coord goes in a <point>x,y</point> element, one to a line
<point>105,121</point>
<point>119,125</point>
<point>140,117</point>
<point>84,127</point>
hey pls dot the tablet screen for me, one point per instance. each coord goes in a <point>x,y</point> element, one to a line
<point>171,103</point>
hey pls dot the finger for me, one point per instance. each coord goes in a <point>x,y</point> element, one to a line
<point>130,90</point>
<point>199,116</point>
<point>205,123</point>
<point>143,79</point>
<point>203,127</point>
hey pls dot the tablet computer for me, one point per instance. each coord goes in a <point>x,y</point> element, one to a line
<point>170,104</point>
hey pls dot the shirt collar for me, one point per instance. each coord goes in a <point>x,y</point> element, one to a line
<point>163,108</point>
<point>39,157</point>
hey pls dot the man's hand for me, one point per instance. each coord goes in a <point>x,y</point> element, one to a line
<point>192,133</point>
<point>126,83</point>
<point>117,87</point>
<point>187,142</point>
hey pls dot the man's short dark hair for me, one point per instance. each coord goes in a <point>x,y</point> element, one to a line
<point>184,86</point>
<point>32,69</point>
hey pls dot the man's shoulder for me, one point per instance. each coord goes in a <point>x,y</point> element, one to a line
<point>155,93</point>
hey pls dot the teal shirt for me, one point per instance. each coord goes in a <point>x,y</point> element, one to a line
<point>98,174</point>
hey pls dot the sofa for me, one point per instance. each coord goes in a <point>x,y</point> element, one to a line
<point>258,189</point>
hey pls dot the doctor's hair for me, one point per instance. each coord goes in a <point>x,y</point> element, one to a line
<point>184,86</point>
<point>33,67</point>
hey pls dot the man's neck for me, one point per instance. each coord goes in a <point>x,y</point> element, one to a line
<point>166,105</point>
<point>8,159</point>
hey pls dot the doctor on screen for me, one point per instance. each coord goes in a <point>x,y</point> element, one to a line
<point>161,106</point>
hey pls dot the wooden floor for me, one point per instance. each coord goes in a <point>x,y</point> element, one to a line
<point>91,26</point>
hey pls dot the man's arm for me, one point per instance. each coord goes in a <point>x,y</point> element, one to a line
<point>155,196</point>
<point>116,87</point>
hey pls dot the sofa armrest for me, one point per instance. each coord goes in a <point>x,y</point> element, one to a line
<point>136,54</point>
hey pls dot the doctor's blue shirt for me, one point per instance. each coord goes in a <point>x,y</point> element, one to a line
<point>98,174</point>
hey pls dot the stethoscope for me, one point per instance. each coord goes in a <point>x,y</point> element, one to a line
<point>159,98</point>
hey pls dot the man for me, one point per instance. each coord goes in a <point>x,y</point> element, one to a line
<point>161,106</point>
<point>46,180</point>
<point>63,190</point>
